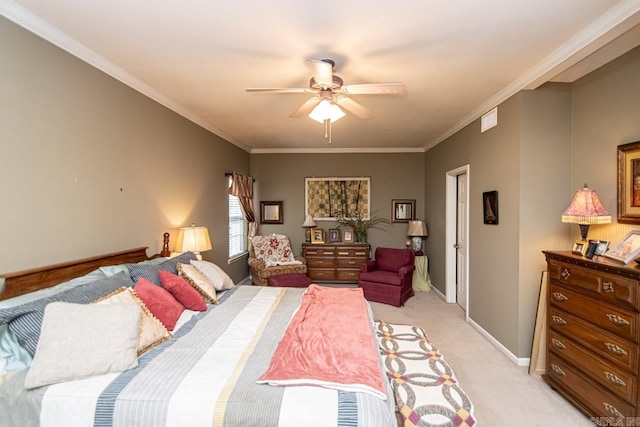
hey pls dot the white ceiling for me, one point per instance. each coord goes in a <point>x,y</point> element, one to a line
<point>457,58</point>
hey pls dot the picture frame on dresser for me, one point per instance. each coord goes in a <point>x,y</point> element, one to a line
<point>317,235</point>
<point>334,236</point>
<point>347,235</point>
<point>627,249</point>
<point>579,247</point>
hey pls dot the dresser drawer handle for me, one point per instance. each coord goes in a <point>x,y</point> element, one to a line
<point>611,409</point>
<point>351,262</point>
<point>557,370</point>
<point>343,253</point>
<point>617,320</point>
<point>352,274</point>
<point>559,320</point>
<point>613,378</point>
<point>320,262</point>
<point>566,274</point>
<point>615,349</point>
<point>559,297</point>
<point>558,343</point>
<point>320,274</point>
<point>607,286</point>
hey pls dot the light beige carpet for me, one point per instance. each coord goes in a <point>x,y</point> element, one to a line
<point>502,393</point>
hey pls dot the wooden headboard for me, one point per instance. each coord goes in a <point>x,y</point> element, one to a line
<point>22,282</point>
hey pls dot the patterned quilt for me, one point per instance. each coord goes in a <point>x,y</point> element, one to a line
<point>426,391</point>
<point>205,376</point>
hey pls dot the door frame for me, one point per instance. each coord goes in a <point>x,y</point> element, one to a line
<point>450,233</point>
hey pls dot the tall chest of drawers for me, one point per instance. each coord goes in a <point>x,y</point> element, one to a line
<point>593,334</point>
<point>335,262</point>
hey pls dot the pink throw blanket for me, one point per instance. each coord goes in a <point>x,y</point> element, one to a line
<point>329,343</point>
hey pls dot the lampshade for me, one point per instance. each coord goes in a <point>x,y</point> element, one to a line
<point>585,209</point>
<point>194,239</point>
<point>308,221</point>
<point>417,228</point>
<point>326,110</point>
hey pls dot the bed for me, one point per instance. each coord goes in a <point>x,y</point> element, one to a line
<point>205,373</point>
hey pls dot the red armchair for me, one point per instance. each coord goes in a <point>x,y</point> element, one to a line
<point>388,278</point>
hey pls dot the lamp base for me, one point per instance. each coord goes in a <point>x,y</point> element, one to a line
<point>584,230</point>
<point>416,243</point>
<point>307,235</point>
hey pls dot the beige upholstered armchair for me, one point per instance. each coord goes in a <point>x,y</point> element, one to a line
<point>274,250</point>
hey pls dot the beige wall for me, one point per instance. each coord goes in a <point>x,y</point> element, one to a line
<point>90,166</point>
<point>393,176</point>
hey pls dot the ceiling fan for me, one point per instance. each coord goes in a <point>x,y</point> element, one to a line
<point>330,91</point>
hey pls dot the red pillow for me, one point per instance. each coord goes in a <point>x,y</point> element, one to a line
<point>160,302</point>
<point>182,291</point>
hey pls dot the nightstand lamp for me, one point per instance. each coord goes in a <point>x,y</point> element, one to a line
<point>417,230</point>
<point>194,239</point>
<point>309,223</point>
<point>585,209</point>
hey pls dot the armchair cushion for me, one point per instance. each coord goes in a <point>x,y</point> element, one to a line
<point>273,250</point>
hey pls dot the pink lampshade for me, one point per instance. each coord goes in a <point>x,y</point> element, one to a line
<point>586,209</point>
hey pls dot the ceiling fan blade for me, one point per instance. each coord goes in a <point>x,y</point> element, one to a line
<point>280,90</point>
<point>322,72</point>
<point>353,107</point>
<point>375,89</point>
<point>306,108</point>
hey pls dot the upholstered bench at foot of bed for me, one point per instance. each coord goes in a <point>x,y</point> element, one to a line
<point>292,280</point>
<point>424,385</point>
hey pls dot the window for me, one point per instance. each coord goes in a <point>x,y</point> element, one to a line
<point>237,228</point>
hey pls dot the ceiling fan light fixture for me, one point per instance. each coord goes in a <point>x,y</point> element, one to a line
<point>326,110</point>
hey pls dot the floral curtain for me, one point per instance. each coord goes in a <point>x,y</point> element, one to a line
<point>242,188</point>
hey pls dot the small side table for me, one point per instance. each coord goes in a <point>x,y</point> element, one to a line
<point>421,281</point>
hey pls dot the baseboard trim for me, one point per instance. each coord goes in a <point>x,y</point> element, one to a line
<point>519,361</point>
<point>442,296</point>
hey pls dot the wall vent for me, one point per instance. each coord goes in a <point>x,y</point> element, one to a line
<point>489,120</point>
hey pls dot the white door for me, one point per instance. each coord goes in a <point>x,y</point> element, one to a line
<point>461,241</point>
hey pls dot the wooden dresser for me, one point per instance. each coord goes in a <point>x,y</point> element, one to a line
<point>593,334</point>
<point>335,262</point>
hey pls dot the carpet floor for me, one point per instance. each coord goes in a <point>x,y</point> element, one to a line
<point>503,394</point>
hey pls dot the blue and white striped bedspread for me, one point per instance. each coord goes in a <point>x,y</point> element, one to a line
<point>205,376</point>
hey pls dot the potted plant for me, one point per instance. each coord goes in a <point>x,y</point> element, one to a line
<point>360,225</point>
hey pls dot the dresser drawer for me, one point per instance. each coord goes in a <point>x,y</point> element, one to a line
<point>322,274</point>
<point>600,401</point>
<point>310,251</point>
<point>620,321</point>
<point>353,252</point>
<point>601,342</point>
<point>348,275</point>
<point>350,262</point>
<point>321,262</point>
<point>611,288</point>
<point>617,380</point>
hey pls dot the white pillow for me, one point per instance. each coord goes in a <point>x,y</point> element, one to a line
<point>214,274</point>
<point>82,340</point>
<point>199,282</point>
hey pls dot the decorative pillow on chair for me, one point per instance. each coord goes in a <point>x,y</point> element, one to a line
<point>216,276</point>
<point>160,302</point>
<point>182,291</point>
<point>198,280</point>
<point>151,332</point>
<point>84,340</point>
<point>273,250</point>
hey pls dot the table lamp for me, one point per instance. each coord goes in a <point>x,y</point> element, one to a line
<point>308,224</point>
<point>585,209</point>
<point>194,239</point>
<point>417,230</point>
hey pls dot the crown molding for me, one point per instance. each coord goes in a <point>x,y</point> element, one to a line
<point>617,20</point>
<point>33,23</point>
<point>330,150</point>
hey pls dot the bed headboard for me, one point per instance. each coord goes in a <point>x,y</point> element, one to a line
<point>22,282</point>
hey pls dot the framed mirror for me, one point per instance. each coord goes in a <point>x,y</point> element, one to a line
<point>271,213</point>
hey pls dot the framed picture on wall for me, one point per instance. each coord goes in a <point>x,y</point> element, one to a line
<point>629,183</point>
<point>490,207</point>
<point>403,210</point>
<point>271,213</point>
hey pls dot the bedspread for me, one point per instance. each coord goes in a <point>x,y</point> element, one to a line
<point>205,376</point>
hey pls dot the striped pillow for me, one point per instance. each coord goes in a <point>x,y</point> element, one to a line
<point>150,271</point>
<point>25,320</point>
